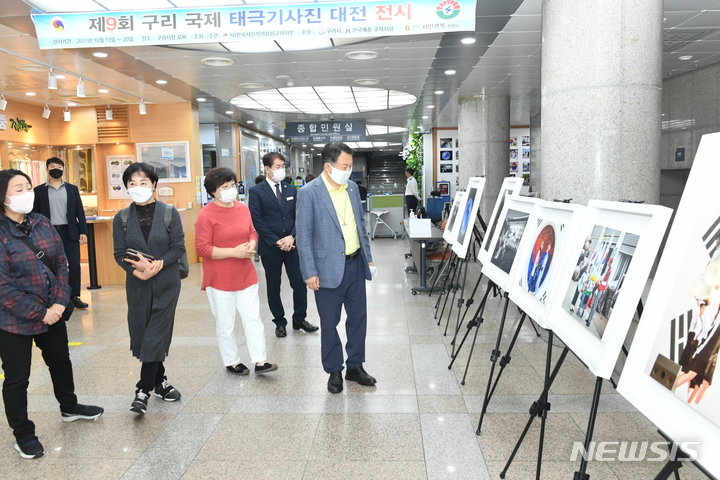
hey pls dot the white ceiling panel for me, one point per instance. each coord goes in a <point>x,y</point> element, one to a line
<point>530,7</point>
<point>524,23</point>
<point>518,38</point>
<point>674,19</point>
<point>685,5</point>
<point>511,51</point>
<point>710,17</point>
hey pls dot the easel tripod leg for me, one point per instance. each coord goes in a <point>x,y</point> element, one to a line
<point>581,475</point>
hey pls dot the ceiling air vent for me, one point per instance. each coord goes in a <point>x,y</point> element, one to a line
<point>217,62</point>
<point>361,55</point>
<point>367,81</point>
<point>251,85</point>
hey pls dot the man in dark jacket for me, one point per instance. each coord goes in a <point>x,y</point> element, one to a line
<point>61,203</point>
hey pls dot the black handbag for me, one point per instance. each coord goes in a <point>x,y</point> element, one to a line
<point>40,255</point>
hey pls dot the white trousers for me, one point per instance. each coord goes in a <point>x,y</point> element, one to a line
<point>247,303</point>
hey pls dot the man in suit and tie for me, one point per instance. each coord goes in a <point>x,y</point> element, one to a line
<point>61,203</point>
<point>272,206</point>
<point>335,260</point>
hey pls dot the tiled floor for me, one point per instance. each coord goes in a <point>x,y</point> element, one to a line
<point>418,422</point>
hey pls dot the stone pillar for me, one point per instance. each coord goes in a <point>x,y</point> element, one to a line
<point>226,139</point>
<point>483,135</point>
<point>601,99</point>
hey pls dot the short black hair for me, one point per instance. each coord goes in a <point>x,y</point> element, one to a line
<point>5,177</point>
<point>259,179</point>
<point>144,169</point>
<point>309,177</point>
<point>359,182</point>
<point>218,176</point>
<point>269,158</point>
<point>54,160</point>
<point>331,152</point>
<point>410,171</point>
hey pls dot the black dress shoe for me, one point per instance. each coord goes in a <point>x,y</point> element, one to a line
<point>280,332</point>
<point>305,325</point>
<point>77,301</point>
<point>360,376</point>
<point>335,383</point>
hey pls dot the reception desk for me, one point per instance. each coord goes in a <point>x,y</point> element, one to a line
<point>394,205</point>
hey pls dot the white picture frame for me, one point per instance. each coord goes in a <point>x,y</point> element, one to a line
<point>667,321</point>
<point>504,245</point>
<point>452,226</point>
<point>171,160</point>
<point>624,241</point>
<point>510,186</point>
<point>544,251</point>
<point>464,234</point>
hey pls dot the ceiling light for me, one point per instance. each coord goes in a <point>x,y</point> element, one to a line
<point>80,88</point>
<point>250,122</point>
<point>72,104</point>
<point>685,57</point>
<point>161,82</point>
<point>229,112</point>
<point>141,107</point>
<point>425,116</point>
<point>290,83</point>
<point>431,106</point>
<point>3,102</point>
<point>103,90</point>
<point>367,81</point>
<point>282,135</point>
<point>253,84</point>
<point>361,55</point>
<point>46,111</point>
<point>439,92</point>
<point>450,72</point>
<point>31,94</point>
<point>468,40</point>
<point>100,54</point>
<point>108,113</point>
<point>52,80</point>
<point>282,77</point>
<point>32,68</point>
<point>66,115</point>
<point>60,76</point>
<point>217,62</point>
<point>201,99</point>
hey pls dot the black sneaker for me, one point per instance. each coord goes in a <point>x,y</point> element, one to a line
<point>167,392</point>
<point>83,412</point>
<point>30,448</point>
<point>265,368</point>
<point>239,369</point>
<point>139,405</point>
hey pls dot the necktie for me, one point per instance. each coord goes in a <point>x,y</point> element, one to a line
<point>278,193</point>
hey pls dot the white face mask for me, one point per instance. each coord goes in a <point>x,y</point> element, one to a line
<point>340,177</point>
<point>227,196</point>
<point>278,175</point>
<point>140,194</point>
<point>22,203</point>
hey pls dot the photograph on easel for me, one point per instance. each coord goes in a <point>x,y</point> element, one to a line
<point>469,214</point>
<point>598,277</point>
<point>450,232</point>
<point>670,374</point>
<point>510,186</point>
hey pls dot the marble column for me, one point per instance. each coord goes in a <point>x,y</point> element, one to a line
<point>483,134</point>
<point>226,139</point>
<point>601,99</point>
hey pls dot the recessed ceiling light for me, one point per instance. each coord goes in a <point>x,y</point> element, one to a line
<point>31,94</point>
<point>217,62</point>
<point>201,99</point>
<point>60,76</point>
<point>72,104</point>
<point>161,82</point>
<point>425,116</point>
<point>361,55</point>
<point>250,122</point>
<point>253,84</point>
<point>282,77</point>
<point>229,112</point>
<point>450,72</point>
<point>439,92</point>
<point>685,57</point>
<point>282,136</point>
<point>33,68</point>
<point>100,54</point>
<point>103,90</point>
<point>468,40</point>
<point>431,106</point>
<point>367,81</point>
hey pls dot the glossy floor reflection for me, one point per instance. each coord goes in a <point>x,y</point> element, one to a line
<point>418,422</point>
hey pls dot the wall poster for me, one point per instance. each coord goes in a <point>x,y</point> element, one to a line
<point>116,166</point>
<point>670,374</point>
<point>170,159</point>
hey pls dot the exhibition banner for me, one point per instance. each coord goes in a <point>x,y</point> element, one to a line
<point>253,22</point>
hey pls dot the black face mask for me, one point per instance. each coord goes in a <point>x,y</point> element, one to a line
<point>55,173</point>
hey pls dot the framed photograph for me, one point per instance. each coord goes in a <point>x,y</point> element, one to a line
<point>450,233</point>
<point>513,166</point>
<point>446,168</point>
<point>670,374</point>
<point>250,159</point>
<point>171,160</point>
<point>526,166</point>
<point>446,143</point>
<point>510,186</point>
<point>526,140</point>
<point>469,213</point>
<point>446,155</point>
<point>506,240</point>
<point>443,188</point>
<point>541,254</point>
<point>613,255</point>
<point>526,153</point>
<point>513,142</point>
<point>513,154</point>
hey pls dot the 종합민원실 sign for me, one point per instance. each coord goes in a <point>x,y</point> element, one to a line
<point>332,131</point>
<point>253,22</point>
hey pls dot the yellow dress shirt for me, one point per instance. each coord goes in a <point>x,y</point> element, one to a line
<point>345,214</point>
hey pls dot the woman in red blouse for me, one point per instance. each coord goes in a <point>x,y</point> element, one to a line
<point>225,239</point>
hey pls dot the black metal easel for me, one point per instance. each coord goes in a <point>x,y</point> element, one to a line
<point>675,464</point>
<point>451,265</point>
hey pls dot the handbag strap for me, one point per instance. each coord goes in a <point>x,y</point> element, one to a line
<point>39,254</point>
